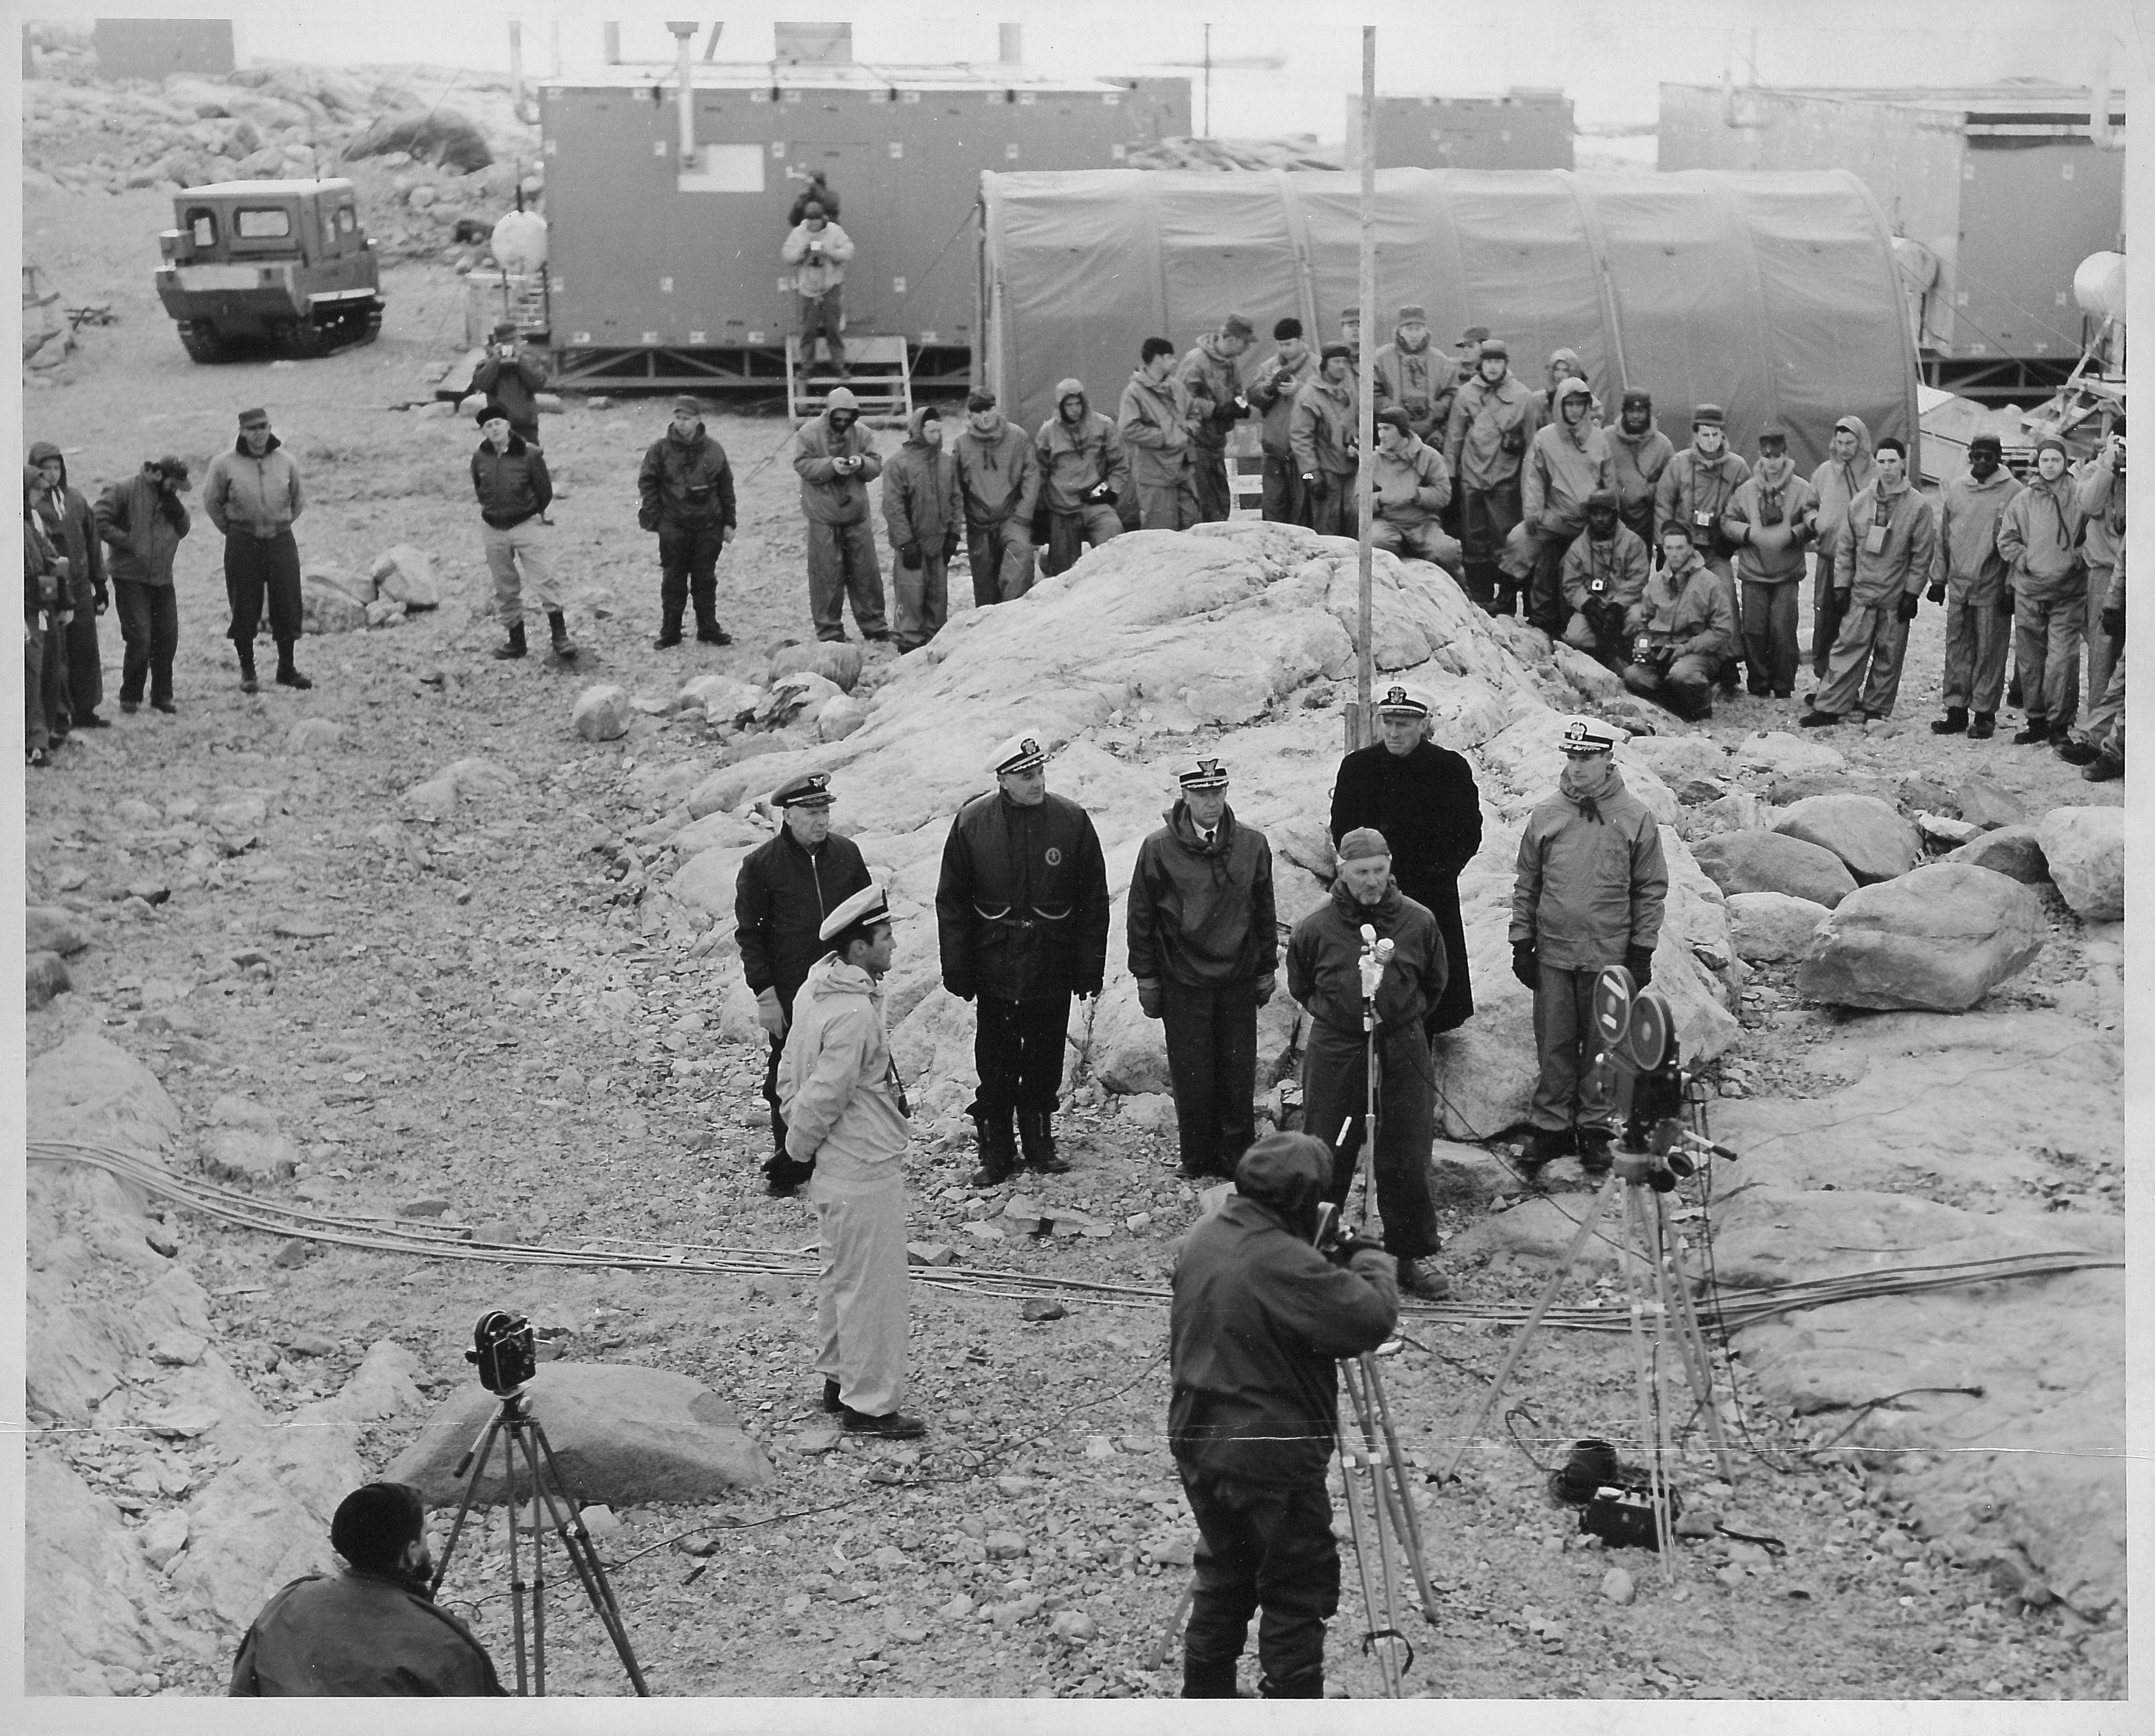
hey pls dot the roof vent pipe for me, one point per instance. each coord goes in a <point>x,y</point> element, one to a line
<point>1011,44</point>
<point>683,34</point>
<point>2101,133</point>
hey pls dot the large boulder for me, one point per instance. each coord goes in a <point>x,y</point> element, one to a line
<point>602,712</point>
<point>1940,937</point>
<point>407,575</point>
<point>1774,862</point>
<point>93,1618</point>
<point>2016,852</point>
<point>1767,927</point>
<point>1786,755</point>
<point>48,928</point>
<point>90,1090</point>
<point>620,1434</point>
<point>44,974</point>
<point>1867,834</point>
<point>326,607</point>
<point>2084,848</point>
<point>837,663</point>
<point>1984,802</point>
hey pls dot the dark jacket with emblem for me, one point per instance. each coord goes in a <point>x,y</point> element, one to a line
<point>685,484</point>
<point>1202,913</point>
<point>1021,908</point>
<point>354,1633</point>
<point>781,898</point>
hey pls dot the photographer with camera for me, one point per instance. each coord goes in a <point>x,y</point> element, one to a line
<point>847,1121</point>
<point>1369,967</point>
<point>1271,394</point>
<point>1260,1320</point>
<point>818,250</point>
<point>511,376</point>
<point>1603,576</point>
<point>372,1629</point>
<point>1588,894</point>
<point>1682,628</point>
<point>1698,488</point>
<point>1217,401</point>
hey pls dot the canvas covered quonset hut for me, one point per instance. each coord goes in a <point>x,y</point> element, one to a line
<point>1775,296</point>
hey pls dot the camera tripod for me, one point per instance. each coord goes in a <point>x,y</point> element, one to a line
<point>519,1431</point>
<point>1658,1145</point>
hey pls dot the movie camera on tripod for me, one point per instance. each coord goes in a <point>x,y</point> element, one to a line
<point>1662,1105</point>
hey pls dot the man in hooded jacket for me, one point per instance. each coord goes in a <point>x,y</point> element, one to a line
<point>1204,949</point>
<point>1604,576</point>
<point>1638,453</point>
<point>1325,974</point>
<point>1589,891</point>
<point>1697,487</point>
<point>1880,560</point>
<point>835,459</point>
<point>1567,461</point>
<point>1154,420</point>
<point>1324,435</point>
<point>685,492</point>
<point>1217,402</point>
<point>1084,473</point>
<point>1259,1322</point>
<point>1494,420</point>
<point>923,512</point>
<point>1563,364</point>
<point>1272,392</point>
<point>1412,487</point>
<point>1968,575</point>
<point>1682,632</point>
<point>999,481</point>
<point>1769,519</point>
<point>2038,534</point>
<point>1411,376</point>
<point>252,494</point>
<point>1847,470</point>
<point>73,528</point>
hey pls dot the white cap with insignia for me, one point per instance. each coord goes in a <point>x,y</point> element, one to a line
<point>1203,773</point>
<point>1401,700</point>
<point>864,909</point>
<point>1023,752</point>
<point>1583,735</point>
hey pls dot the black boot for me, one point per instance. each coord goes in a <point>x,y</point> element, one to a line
<point>515,647</point>
<point>1982,726</point>
<point>1952,723</point>
<point>248,684</point>
<point>998,1147</point>
<point>288,672</point>
<point>2037,729</point>
<point>1304,1685</point>
<point>710,632</point>
<point>1208,1678</point>
<point>1035,1128</point>
<point>2013,695</point>
<point>565,648</point>
<point>669,630</point>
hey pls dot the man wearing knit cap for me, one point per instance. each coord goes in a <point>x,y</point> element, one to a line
<point>372,1629</point>
<point>1084,474</point>
<point>1494,420</point>
<point>2038,534</point>
<point>1021,917</point>
<point>510,476</point>
<point>1154,420</point>
<point>1350,327</point>
<point>999,481</point>
<point>1325,976</point>
<point>835,459</point>
<point>784,893</point>
<point>1217,402</point>
<point>1271,393</point>
<point>1698,487</point>
<point>1204,948</point>
<point>1769,519</point>
<point>925,514</point>
<point>1412,486</point>
<point>1968,575</point>
<point>847,1119</point>
<point>511,376</point>
<point>1604,577</point>
<point>252,494</point>
<point>1638,453</point>
<point>1588,894</point>
<point>1880,560</point>
<point>1325,437</point>
<point>685,493</point>
<point>1412,376</point>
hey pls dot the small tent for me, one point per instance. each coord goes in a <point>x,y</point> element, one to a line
<point>1774,295</point>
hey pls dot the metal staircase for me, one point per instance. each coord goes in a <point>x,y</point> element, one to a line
<point>880,375</point>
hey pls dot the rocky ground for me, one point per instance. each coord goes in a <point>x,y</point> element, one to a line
<point>487,1024</point>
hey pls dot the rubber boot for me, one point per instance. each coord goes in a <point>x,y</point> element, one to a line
<point>1952,723</point>
<point>288,672</point>
<point>998,1147</point>
<point>1208,1678</point>
<point>2037,729</point>
<point>1304,1685</point>
<point>248,684</point>
<point>707,630</point>
<point>514,645</point>
<point>1036,1129</point>
<point>1982,726</point>
<point>669,630</point>
<point>565,648</point>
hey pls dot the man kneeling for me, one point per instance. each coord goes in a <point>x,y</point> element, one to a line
<point>1683,629</point>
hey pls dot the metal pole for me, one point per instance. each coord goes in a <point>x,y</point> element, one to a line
<point>1207,132</point>
<point>684,71</point>
<point>516,67</point>
<point>1365,662</point>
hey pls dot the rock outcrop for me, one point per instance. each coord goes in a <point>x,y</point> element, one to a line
<point>1868,835</point>
<point>1940,938</point>
<point>1773,862</point>
<point>2085,850</point>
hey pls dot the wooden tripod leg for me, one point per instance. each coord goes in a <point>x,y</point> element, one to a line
<point>1634,1252</point>
<point>1387,1665</point>
<point>1405,1523</point>
<point>1677,1299</point>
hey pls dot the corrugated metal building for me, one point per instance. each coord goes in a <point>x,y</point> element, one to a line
<point>1526,128</point>
<point>670,274</point>
<point>1997,192</point>
<point>157,48</point>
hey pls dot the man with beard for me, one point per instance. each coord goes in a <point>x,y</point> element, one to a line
<point>373,1629</point>
<point>1083,474</point>
<point>685,493</point>
<point>1217,402</point>
<point>1682,632</point>
<point>1021,916</point>
<point>1638,453</point>
<point>1272,393</point>
<point>2038,534</point>
<point>1413,377</point>
<point>1848,469</point>
<point>922,511</point>
<point>1604,576</point>
<point>1422,798</point>
<point>998,479</point>
<point>1968,575</point>
<point>1697,487</point>
<point>1768,521</point>
<point>835,459</point>
<point>1588,894</point>
<point>1879,561</point>
<point>1324,976</point>
<point>1203,950</point>
<point>72,527</point>
<point>1324,434</point>
<point>1567,463</point>
<point>1412,488</point>
<point>1494,420</point>
<point>1155,422</point>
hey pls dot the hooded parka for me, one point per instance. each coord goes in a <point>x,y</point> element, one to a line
<point>1202,913</point>
<point>998,473</point>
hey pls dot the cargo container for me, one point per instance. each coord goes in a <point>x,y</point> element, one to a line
<point>1526,128</point>
<point>1995,194</point>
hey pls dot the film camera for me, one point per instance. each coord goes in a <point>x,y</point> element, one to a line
<point>504,1351</point>
<point>1661,1103</point>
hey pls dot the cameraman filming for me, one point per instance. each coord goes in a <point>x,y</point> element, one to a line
<point>512,378</point>
<point>374,1629</point>
<point>1259,1318</point>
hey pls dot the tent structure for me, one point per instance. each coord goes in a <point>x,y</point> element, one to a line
<point>1774,295</point>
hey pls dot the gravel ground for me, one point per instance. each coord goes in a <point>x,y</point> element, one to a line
<point>484,1024</point>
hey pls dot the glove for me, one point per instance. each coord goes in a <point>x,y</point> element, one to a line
<point>908,557</point>
<point>1268,985</point>
<point>1523,964</point>
<point>950,545</point>
<point>769,1014</point>
<point>1905,609</point>
<point>1310,481</point>
<point>963,991</point>
<point>103,602</point>
<point>2005,602</point>
<point>1087,991</point>
<point>1936,593</point>
<point>1639,961</point>
<point>647,520</point>
<point>1347,1243</point>
<point>1099,495</point>
<point>1841,595</point>
<point>2113,622</point>
<point>1150,999</point>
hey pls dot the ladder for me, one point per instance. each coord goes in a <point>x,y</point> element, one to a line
<point>881,377</point>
